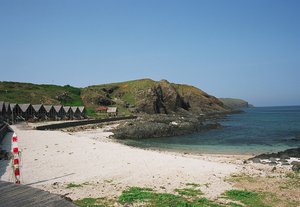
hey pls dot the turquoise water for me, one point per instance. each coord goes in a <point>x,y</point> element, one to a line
<point>257,130</point>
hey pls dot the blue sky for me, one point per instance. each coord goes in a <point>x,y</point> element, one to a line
<point>232,48</point>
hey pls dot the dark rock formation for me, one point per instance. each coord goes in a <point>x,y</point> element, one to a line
<point>279,157</point>
<point>161,125</point>
<point>168,98</point>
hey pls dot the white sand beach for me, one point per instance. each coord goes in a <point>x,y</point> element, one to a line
<point>53,159</point>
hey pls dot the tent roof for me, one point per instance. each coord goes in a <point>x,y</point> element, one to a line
<point>66,108</point>
<point>74,108</point>
<point>37,107</point>
<point>57,108</point>
<point>48,107</point>
<point>13,105</point>
<point>24,107</point>
<point>81,108</point>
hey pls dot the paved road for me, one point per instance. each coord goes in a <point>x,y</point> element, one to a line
<point>12,195</point>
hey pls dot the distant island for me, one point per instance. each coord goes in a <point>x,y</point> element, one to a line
<point>235,103</point>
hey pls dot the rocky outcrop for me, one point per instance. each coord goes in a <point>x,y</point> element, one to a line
<point>280,158</point>
<point>162,125</point>
<point>168,98</point>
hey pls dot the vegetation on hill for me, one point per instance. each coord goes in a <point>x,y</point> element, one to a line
<point>124,95</point>
<point>15,92</point>
<point>152,97</point>
<point>145,95</point>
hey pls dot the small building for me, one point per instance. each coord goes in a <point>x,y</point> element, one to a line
<point>50,112</point>
<point>101,109</point>
<point>112,111</point>
<point>27,111</point>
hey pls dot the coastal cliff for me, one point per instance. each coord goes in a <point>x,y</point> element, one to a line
<point>153,97</point>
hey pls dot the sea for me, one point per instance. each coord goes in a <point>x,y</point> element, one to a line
<point>255,131</point>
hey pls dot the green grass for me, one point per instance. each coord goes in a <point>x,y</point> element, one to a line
<point>15,92</point>
<point>187,197</point>
<point>188,192</point>
<point>94,202</point>
<point>204,202</point>
<point>251,199</point>
<point>73,185</point>
<point>149,198</point>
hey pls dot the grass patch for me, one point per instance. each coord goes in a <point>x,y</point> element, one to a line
<point>240,178</point>
<point>149,198</point>
<point>204,202</point>
<point>94,202</point>
<point>188,192</point>
<point>73,185</point>
<point>251,199</point>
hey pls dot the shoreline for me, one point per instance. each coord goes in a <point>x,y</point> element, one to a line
<point>103,167</point>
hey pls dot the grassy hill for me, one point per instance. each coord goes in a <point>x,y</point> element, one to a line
<point>124,95</point>
<point>15,92</point>
<point>144,95</point>
<point>152,97</point>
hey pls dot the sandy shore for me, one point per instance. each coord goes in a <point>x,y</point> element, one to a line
<point>53,159</point>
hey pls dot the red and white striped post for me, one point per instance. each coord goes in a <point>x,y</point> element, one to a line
<point>16,160</point>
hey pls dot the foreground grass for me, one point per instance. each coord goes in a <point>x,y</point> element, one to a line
<point>146,197</point>
<point>275,191</point>
<point>189,197</point>
<point>248,198</point>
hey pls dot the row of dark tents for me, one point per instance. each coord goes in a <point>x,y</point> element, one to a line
<point>11,112</point>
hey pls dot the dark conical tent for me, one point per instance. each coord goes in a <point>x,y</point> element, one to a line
<point>59,109</point>
<point>26,110</point>
<point>39,111</point>
<point>16,111</point>
<point>67,110</point>
<point>82,111</point>
<point>50,111</point>
<point>2,110</point>
<point>76,111</point>
<point>8,111</point>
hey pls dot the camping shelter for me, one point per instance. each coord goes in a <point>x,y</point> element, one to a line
<point>50,111</point>
<point>27,111</point>
<point>60,112</point>
<point>39,111</point>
